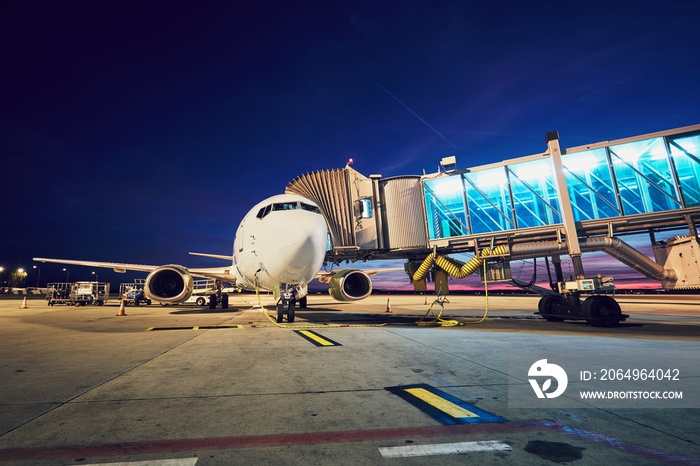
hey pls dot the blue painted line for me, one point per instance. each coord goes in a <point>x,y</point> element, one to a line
<point>437,410</point>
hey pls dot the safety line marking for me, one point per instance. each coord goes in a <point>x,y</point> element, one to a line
<point>440,403</point>
<point>196,327</point>
<point>442,406</point>
<point>316,339</point>
<point>443,449</point>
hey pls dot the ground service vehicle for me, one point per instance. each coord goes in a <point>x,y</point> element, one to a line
<point>132,293</point>
<point>77,293</point>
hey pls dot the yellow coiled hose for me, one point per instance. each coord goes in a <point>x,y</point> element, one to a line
<point>453,269</point>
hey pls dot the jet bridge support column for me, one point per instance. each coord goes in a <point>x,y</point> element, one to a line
<point>552,139</point>
<point>597,310</point>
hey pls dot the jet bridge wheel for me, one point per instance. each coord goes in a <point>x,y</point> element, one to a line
<point>601,311</point>
<point>551,306</point>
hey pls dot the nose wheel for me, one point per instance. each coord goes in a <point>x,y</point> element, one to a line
<point>285,306</point>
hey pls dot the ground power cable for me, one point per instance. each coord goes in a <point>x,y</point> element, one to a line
<point>456,271</point>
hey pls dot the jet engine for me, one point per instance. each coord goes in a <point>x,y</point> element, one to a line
<point>170,284</point>
<point>349,285</point>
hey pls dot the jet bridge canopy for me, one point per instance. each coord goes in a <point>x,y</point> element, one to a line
<point>632,184</point>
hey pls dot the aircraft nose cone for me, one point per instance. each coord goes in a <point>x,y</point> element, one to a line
<point>300,250</point>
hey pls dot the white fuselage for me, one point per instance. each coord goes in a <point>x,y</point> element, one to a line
<point>280,240</point>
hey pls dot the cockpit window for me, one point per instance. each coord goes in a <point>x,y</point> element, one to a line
<point>264,211</point>
<point>284,206</point>
<point>310,208</point>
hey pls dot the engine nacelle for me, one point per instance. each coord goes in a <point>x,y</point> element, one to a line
<point>350,285</point>
<point>170,284</point>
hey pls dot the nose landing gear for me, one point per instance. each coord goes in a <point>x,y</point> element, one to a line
<point>285,306</point>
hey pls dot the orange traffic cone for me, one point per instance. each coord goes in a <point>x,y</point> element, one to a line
<point>426,300</point>
<point>121,309</point>
<point>388,306</point>
<point>24,303</point>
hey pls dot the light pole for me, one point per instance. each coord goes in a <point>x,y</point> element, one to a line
<point>20,277</point>
<point>67,274</point>
<point>97,277</point>
<point>38,274</point>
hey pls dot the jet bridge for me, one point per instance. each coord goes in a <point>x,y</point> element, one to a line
<point>556,203</point>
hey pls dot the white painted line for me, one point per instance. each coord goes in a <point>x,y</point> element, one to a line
<point>170,462</point>
<point>442,449</point>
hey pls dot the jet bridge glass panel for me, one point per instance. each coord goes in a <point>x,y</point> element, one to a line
<point>644,177</point>
<point>444,203</point>
<point>638,177</point>
<point>488,200</point>
<point>685,151</point>
<point>534,194</point>
<point>591,186</point>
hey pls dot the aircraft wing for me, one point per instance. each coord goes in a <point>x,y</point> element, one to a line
<point>326,277</point>
<point>116,266</point>
<point>217,273</point>
<point>213,256</point>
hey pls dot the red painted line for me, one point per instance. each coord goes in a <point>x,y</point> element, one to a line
<point>254,441</point>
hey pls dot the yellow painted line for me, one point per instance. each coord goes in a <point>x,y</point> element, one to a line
<point>198,327</point>
<point>316,338</point>
<point>440,403</point>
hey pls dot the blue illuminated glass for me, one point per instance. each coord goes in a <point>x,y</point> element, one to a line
<point>488,200</point>
<point>685,151</point>
<point>444,205</point>
<point>535,197</point>
<point>644,176</point>
<point>590,183</point>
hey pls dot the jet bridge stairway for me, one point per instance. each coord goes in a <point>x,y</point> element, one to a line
<point>549,205</point>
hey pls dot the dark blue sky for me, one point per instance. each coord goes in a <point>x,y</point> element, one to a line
<point>137,131</point>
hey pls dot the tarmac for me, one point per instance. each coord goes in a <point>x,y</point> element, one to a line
<point>346,384</point>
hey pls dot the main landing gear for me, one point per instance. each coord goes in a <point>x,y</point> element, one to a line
<point>218,298</point>
<point>597,310</point>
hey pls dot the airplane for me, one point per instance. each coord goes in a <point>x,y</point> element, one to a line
<point>279,246</point>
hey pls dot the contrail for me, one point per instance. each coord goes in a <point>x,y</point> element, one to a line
<point>415,115</point>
